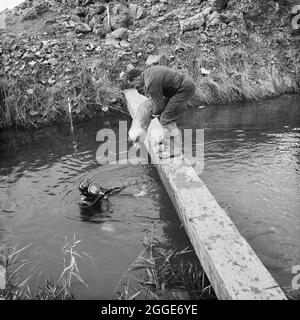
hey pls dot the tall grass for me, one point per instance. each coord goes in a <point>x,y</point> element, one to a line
<point>163,273</point>
<point>234,77</point>
<point>26,101</point>
<point>18,288</point>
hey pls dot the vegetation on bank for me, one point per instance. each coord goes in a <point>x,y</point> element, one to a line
<point>233,78</point>
<point>18,286</point>
<point>159,272</point>
<point>25,102</point>
<point>162,273</point>
<point>239,51</point>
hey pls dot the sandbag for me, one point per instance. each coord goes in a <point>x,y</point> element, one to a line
<point>141,122</point>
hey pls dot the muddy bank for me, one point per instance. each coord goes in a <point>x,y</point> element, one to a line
<point>58,52</point>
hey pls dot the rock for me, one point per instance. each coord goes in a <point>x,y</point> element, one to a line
<point>114,43</point>
<point>192,23</point>
<point>219,5</point>
<point>75,18</point>
<point>99,30</point>
<point>95,20</point>
<point>81,12</point>
<point>213,19</point>
<point>100,8</point>
<point>129,67</point>
<point>29,14</point>
<point>135,11</point>
<point>120,33</point>
<point>154,12</point>
<point>41,8</point>
<point>72,3</point>
<point>120,9</point>
<point>82,28</point>
<point>125,44</point>
<point>87,2</point>
<point>153,59</point>
<point>119,21</point>
<point>206,11</point>
<point>92,12</point>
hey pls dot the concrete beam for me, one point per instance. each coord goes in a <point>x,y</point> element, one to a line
<point>234,270</point>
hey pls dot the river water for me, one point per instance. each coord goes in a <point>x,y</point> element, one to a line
<point>251,165</point>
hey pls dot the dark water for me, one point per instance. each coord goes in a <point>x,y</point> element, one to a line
<point>39,175</point>
<point>251,166</point>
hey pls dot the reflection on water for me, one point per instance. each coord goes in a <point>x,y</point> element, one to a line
<point>251,167</point>
<point>40,173</point>
<point>252,163</point>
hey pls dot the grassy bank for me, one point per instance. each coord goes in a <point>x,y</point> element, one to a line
<point>242,51</point>
<point>233,77</point>
<point>27,102</point>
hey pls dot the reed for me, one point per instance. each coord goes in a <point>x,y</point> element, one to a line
<point>19,287</point>
<point>162,273</point>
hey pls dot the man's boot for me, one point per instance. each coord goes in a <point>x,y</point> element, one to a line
<point>170,146</point>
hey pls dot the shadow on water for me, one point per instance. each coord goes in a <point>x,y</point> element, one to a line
<point>251,166</point>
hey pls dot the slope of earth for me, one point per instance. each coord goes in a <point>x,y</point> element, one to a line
<point>57,54</point>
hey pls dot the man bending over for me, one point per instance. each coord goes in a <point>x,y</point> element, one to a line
<point>170,92</point>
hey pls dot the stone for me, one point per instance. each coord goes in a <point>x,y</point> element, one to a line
<point>114,43</point>
<point>87,2</point>
<point>99,30</point>
<point>95,20</point>
<point>120,9</point>
<point>81,12</point>
<point>119,21</point>
<point>153,59</point>
<point>135,11</point>
<point>206,11</point>
<point>100,8</point>
<point>125,44</point>
<point>75,18</point>
<point>214,15</point>
<point>29,14</point>
<point>219,5</point>
<point>192,23</point>
<point>120,33</point>
<point>213,19</point>
<point>82,28</point>
<point>154,12</point>
<point>41,8</point>
<point>129,67</point>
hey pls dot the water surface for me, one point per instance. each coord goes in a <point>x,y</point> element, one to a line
<point>251,167</point>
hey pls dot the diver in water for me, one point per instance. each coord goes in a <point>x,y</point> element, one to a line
<point>170,92</point>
